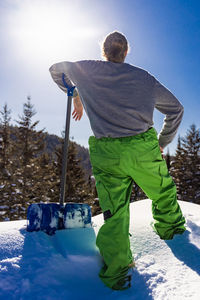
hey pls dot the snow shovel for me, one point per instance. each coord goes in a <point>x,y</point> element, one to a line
<point>50,217</point>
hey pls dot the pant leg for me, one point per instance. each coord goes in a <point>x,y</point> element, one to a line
<point>114,192</point>
<point>151,174</point>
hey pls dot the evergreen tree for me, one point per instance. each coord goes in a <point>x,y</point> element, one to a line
<point>75,181</point>
<point>46,180</point>
<point>7,188</point>
<point>30,144</point>
<point>5,141</point>
<point>191,149</point>
<point>186,166</point>
<point>178,168</point>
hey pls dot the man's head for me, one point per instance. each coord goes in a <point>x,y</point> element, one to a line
<point>115,47</point>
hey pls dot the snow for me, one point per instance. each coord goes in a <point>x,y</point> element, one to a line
<point>65,265</point>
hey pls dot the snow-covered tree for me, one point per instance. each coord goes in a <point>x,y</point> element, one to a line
<point>5,140</point>
<point>177,170</point>
<point>7,187</point>
<point>75,179</point>
<point>29,145</point>
<point>186,166</point>
<point>45,180</point>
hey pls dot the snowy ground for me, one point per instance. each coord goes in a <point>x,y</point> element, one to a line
<point>65,266</point>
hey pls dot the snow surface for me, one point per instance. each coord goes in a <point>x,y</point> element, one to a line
<point>65,266</point>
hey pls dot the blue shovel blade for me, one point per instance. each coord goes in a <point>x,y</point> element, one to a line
<point>77,215</point>
<point>43,217</point>
<point>46,217</point>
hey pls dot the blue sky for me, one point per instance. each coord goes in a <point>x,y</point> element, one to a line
<point>164,37</point>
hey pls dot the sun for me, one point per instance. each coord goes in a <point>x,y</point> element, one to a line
<point>49,30</point>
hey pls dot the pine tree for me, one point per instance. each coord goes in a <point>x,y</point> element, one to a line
<point>7,188</point>
<point>75,181</point>
<point>30,144</point>
<point>178,170</point>
<point>5,141</point>
<point>191,149</point>
<point>46,179</point>
<point>186,166</point>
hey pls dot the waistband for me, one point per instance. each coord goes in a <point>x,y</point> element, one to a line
<point>126,139</point>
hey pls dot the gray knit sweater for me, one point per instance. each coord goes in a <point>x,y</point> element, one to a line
<point>119,98</point>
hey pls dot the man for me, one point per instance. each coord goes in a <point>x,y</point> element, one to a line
<point>119,100</point>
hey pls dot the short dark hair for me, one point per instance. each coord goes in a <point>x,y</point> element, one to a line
<point>114,47</point>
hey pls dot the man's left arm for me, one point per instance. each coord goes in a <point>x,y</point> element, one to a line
<point>169,105</point>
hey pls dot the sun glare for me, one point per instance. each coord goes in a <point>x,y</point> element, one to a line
<point>48,30</point>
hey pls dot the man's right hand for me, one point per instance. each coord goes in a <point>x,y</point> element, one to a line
<point>78,109</point>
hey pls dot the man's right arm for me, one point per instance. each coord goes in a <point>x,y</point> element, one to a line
<point>57,70</point>
<point>78,108</point>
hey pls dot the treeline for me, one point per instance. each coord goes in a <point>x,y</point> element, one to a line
<point>30,167</point>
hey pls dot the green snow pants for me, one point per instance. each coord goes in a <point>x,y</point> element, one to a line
<point>116,162</point>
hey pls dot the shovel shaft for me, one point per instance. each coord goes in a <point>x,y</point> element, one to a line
<point>65,151</point>
<point>70,90</point>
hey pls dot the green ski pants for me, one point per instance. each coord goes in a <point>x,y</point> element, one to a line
<point>116,162</point>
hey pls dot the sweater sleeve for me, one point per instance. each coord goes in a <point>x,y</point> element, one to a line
<point>169,105</point>
<point>58,69</point>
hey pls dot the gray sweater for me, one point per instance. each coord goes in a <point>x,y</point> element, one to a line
<point>119,98</point>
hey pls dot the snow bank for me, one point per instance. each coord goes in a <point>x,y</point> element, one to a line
<point>65,266</point>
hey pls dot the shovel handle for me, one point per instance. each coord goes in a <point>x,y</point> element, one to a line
<point>70,90</point>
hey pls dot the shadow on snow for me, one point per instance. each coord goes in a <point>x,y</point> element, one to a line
<point>184,250</point>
